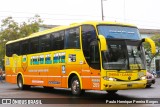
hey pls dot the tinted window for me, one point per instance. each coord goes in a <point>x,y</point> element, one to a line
<point>13,48</point>
<point>34,45</point>
<point>120,32</point>
<point>24,47</point>
<point>72,38</point>
<point>45,44</point>
<point>16,48</point>
<point>9,50</point>
<point>57,40</point>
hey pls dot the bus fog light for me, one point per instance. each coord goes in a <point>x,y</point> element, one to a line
<point>109,78</point>
<point>143,78</point>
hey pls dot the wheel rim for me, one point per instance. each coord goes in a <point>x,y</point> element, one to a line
<point>75,86</point>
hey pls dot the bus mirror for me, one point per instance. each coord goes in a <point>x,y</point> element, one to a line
<point>103,44</point>
<point>152,44</point>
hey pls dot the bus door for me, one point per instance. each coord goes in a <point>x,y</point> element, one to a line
<point>91,67</point>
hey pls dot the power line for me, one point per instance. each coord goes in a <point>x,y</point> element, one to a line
<point>127,19</point>
<point>50,14</point>
<point>152,23</point>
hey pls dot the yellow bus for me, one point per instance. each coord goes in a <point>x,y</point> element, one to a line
<point>107,56</point>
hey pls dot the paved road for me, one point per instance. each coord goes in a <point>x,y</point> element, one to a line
<point>63,97</point>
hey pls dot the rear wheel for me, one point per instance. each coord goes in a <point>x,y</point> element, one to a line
<point>76,86</point>
<point>20,83</point>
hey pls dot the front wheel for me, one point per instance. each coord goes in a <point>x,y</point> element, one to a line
<point>76,86</point>
<point>148,86</point>
<point>112,91</point>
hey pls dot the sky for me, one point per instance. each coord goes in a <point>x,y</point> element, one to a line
<point>142,13</point>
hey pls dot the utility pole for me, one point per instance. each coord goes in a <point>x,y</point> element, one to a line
<point>102,10</point>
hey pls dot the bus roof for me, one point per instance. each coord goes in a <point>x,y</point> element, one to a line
<point>59,28</point>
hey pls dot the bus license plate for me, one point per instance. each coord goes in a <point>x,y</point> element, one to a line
<point>129,85</point>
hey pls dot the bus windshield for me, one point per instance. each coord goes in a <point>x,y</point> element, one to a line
<point>123,54</point>
<point>121,32</point>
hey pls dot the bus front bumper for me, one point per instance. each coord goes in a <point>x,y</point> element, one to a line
<point>116,85</point>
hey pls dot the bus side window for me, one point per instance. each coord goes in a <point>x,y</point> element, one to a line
<point>45,44</point>
<point>34,45</point>
<point>72,38</point>
<point>24,47</point>
<point>57,40</point>
<point>9,50</point>
<point>16,48</point>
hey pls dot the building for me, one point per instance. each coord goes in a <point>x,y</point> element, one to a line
<point>149,32</point>
<point>45,27</point>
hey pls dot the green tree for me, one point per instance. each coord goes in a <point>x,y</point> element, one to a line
<point>12,30</point>
<point>156,39</point>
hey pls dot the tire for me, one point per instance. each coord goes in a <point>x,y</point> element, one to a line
<point>112,91</point>
<point>20,83</point>
<point>76,86</point>
<point>148,86</point>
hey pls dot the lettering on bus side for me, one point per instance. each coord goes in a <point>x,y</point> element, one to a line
<point>95,83</point>
<point>120,74</point>
<point>53,82</point>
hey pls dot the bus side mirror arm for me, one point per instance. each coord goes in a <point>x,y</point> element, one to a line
<point>102,41</point>
<point>152,44</point>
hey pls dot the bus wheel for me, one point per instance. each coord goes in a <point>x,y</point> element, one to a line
<point>20,83</point>
<point>148,86</point>
<point>112,91</point>
<point>75,86</point>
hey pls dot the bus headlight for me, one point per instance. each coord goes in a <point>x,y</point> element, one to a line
<point>109,78</point>
<point>143,78</point>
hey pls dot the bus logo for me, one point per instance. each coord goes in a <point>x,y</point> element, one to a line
<point>129,78</point>
<point>24,62</point>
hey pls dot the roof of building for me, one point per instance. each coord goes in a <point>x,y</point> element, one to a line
<point>149,31</point>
